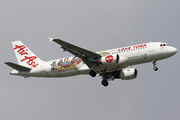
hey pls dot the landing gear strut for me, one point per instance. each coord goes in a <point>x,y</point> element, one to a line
<point>92,73</point>
<point>154,64</point>
<point>105,83</point>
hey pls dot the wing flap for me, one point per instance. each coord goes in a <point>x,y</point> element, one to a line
<point>17,67</point>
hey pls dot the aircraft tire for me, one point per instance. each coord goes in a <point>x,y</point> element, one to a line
<point>92,73</point>
<point>105,83</point>
<point>155,68</point>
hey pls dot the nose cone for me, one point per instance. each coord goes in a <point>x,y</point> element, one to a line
<point>173,50</point>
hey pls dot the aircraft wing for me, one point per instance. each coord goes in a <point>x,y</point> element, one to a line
<point>87,56</point>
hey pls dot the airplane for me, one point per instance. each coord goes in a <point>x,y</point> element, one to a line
<point>109,64</point>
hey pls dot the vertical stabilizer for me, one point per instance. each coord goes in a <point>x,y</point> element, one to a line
<point>25,56</point>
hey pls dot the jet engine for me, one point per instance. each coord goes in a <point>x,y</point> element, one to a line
<point>109,60</point>
<point>128,73</point>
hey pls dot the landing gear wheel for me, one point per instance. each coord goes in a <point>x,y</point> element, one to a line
<point>154,64</point>
<point>92,73</point>
<point>155,68</point>
<point>105,83</point>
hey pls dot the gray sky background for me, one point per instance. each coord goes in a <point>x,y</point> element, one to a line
<point>95,25</point>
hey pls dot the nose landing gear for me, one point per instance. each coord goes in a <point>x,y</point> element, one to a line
<point>155,68</point>
<point>154,64</point>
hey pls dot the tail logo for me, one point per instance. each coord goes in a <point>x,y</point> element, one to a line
<point>22,50</point>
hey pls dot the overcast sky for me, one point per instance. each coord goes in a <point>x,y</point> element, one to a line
<point>95,25</point>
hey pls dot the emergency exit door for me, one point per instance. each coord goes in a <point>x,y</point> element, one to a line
<point>151,47</point>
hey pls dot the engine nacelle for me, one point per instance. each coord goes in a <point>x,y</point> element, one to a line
<point>128,73</point>
<point>110,59</point>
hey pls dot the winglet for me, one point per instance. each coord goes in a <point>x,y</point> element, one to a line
<point>51,39</point>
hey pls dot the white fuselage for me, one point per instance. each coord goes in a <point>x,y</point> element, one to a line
<point>128,56</point>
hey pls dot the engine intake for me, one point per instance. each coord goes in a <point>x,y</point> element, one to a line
<point>128,73</point>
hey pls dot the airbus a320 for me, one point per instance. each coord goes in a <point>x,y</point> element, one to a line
<point>109,64</point>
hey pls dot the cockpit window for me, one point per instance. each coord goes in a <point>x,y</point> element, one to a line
<point>163,45</point>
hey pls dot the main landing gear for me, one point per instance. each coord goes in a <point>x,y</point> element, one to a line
<point>105,83</point>
<point>154,64</point>
<point>92,73</point>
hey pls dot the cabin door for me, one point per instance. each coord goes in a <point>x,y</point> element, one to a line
<point>151,47</point>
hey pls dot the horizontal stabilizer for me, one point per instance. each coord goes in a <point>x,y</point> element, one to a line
<point>17,67</point>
